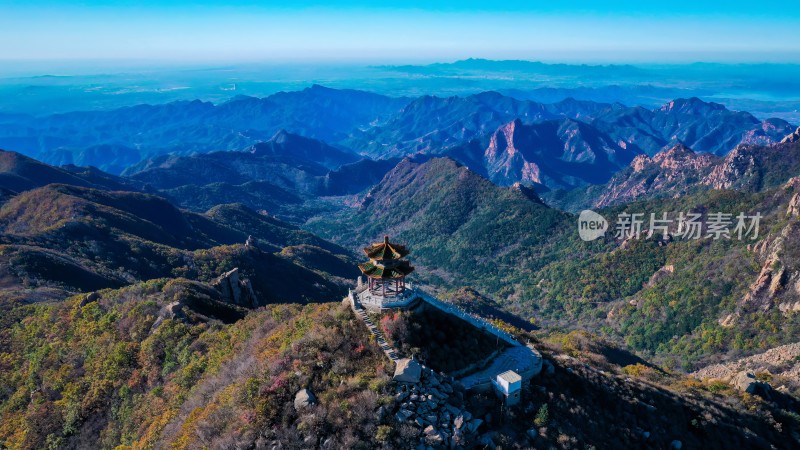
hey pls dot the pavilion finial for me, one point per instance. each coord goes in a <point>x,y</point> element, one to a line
<point>385,238</point>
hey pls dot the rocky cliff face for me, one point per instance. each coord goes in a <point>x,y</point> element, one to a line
<point>558,154</point>
<point>777,285</point>
<point>671,172</point>
<point>740,164</point>
<point>794,137</point>
<point>236,290</point>
<point>674,172</point>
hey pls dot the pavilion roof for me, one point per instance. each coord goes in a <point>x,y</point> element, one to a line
<point>373,270</point>
<point>386,250</point>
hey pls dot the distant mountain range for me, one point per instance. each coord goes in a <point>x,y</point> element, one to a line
<point>597,140</point>
<point>184,127</point>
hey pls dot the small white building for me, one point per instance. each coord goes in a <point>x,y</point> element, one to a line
<point>508,386</point>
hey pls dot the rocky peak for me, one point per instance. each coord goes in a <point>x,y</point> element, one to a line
<point>739,163</point>
<point>691,105</point>
<point>503,139</point>
<point>794,137</point>
<point>679,150</point>
<point>282,136</point>
<point>527,191</point>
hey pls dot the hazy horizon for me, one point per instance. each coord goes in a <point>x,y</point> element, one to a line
<point>123,32</point>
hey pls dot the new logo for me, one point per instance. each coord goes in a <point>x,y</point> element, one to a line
<point>591,225</point>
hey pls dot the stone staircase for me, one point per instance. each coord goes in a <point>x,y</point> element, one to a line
<point>361,313</point>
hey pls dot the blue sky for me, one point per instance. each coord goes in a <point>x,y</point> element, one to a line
<point>414,31</point>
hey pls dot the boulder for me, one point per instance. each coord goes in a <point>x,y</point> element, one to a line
<point>173,311</point>
<point>89,298</point>
<point>403,415</point>
<point>407,371</point>
<point>746,382</point>
<point>794,137</point>
<point>433,436</point>
<point>532,433</point>
<point>303,399</point>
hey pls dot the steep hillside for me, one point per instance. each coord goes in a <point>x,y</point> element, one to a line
<point>667,298</point>
<point>132,369</point>
<point>460,226</point>
<point>77,239</point>
<point>19,173</point>
<point>166,364</point>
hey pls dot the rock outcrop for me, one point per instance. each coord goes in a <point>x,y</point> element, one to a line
<point>780,361</point>
<point>303,399</point>
<point>172,311</point>
<point>793,209</point>
<point>746,382</point>
<point>794,137</point>
<point>661,274</point>
<point>89,298</point>
<point>679,170</point>
<point>671,172</point>
<point>236,290</point>
<point>558,154</point>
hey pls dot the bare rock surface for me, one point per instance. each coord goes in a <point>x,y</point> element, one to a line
<point>778,361</point>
